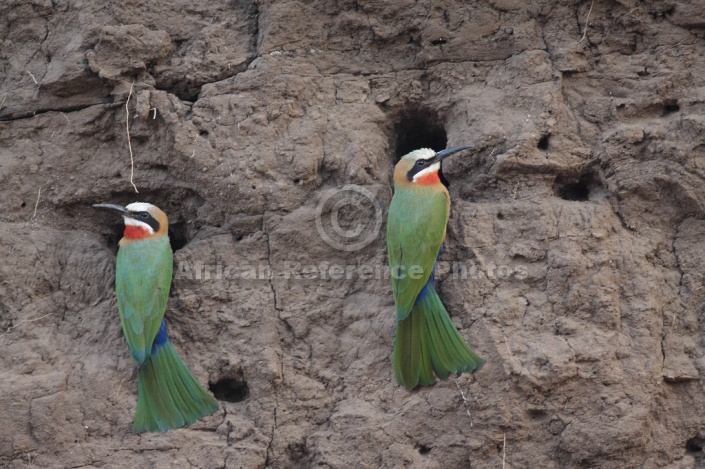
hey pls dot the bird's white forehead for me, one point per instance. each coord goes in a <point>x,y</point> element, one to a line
<point>421,154</point>
<point>139,207</point>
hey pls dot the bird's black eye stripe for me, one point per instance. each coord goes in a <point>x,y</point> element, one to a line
<point>419,165</point>
<point>147,218</point>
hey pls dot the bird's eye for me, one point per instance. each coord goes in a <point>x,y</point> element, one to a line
<point>421,163</point>
<point>144,215</point>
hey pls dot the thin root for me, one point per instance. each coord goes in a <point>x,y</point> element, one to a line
<point>26,321</point>
<point>587,21</point>
<point>36,204</point>
<point>504,450</point>
<point>33,79</point>
<point>465,401</point>
<point>129,143</point>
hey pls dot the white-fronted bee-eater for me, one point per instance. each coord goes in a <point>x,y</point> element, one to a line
<point>168,395</point>
<point>426,340</point>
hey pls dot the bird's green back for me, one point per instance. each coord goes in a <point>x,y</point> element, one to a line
<point>142,283</point>
<point>416,227</point>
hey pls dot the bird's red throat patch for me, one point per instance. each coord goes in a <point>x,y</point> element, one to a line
<point>428,178</point>
<point>136,232</point>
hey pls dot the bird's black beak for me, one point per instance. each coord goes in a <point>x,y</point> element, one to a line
<point>443,154</point>
<point>114,208</point>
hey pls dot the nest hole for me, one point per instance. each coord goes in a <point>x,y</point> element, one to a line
<point>230,389</point>
<point>576,191</point>
<point>178,235</point>
<point>419,129</point>
<point>114,235</point>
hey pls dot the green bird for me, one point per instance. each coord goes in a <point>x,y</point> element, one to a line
<point>168,395</point>
<point>426,340</point>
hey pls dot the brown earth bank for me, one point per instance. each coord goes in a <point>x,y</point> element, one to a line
<point>574,259</point>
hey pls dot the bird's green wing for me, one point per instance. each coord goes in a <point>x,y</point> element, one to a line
<point>416,226</point>
<point>142,283</point>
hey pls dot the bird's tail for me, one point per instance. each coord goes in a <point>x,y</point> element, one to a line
<point>168,395</point>
<point>427,341</point>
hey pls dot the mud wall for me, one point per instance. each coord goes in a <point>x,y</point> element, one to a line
<point>578,220</point>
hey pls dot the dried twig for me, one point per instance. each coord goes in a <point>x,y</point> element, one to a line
<point>129,143</point>
<point>587,21</point>
<point>465,401</point>
<point>3,100</point>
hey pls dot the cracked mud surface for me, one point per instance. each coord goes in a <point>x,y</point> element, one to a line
<point>579,219</point>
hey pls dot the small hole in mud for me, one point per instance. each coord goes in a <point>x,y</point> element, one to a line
<point>297,451</point>
<point>423,449</point>
<point>543,143</point>
<point>297,181</point>
<point>230,390</point>
<point>670,106</point>
<point>23,204</point>
<point>694,445</point>
<point>203,133</point>
<point>177,235</point>
<point>419,129</point>
<point>438,42</point>
<point>500,216</point>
